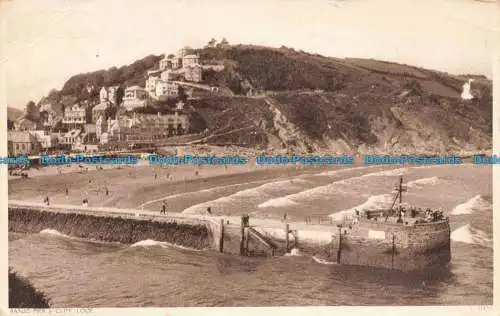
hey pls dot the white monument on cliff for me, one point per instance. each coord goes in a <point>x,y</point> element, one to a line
<point>466,95</point>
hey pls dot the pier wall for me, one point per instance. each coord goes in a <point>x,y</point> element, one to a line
<point>124,228</point>
<point>414,247</point>
<point>400,247</point>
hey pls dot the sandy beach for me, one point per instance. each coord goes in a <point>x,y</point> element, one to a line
<point>139,186</point>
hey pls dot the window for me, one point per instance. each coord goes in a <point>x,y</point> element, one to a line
<point>24,146</point>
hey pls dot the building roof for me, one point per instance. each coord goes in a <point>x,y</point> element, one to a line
<point>191,56</point>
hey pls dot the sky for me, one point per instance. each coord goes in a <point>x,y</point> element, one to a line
<point>44,43</point>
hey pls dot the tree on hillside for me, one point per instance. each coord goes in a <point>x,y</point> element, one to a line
<point>120,92</point>
<point>212,42</point>
<point>31,111</point>
<point>223,43</point>
<point>182,93</point>
<point>10,125</point>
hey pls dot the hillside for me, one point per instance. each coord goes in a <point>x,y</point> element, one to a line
<point>13,113</point>
<point>293,100</point>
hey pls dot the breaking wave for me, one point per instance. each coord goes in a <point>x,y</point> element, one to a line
<point>327,189</point>
<point>256,192</point>
<point>53,232</point>
<point>209,190</point>
<point>470,235</point>
<point>278,202</point>
<point>474,204</point>
<point>422,182</point>
<point>163,244</point>
<point>373,203</point>
<point>334,172</point>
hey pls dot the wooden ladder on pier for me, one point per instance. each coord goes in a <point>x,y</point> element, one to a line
<point>262,239</point>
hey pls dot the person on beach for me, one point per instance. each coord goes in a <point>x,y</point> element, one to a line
<point>46,200</point>
<point>107,192</point>
<point>209,210</point>
<point>285,216</point>
<point>67,191</point>
<point>156,176</point>
<point>85,202</point>
<point>164,208</point>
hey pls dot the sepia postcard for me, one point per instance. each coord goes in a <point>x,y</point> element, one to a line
<point>298,157</point>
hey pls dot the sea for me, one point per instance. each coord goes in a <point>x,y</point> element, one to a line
<point>81,273</point>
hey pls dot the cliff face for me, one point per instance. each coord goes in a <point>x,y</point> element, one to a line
<point>312,103</point>
<point>301,102</point>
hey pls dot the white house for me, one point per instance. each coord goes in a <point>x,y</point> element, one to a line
<point>74,115</point>
<point>168,89</point>
<point>134,97</point>
<point>192,73</point>
<point>151,84</point>
<point>189,60</point>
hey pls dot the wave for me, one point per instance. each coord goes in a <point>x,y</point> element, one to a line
<point>278,202</point>
<point>422,182</point>
<point>53,232</point>
<point>334,172</point>
<point>163,244</point>
<point>256,192</point>
<point>327,189</point>
<point>374,202</point>
<point>474,204</point>
<point>470,235</point>
<point>323,261</point>
<point>209,190</point>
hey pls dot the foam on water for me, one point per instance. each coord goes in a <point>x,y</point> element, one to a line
<point>53,232</point>
<point>470,235</point>
<point>388,173</point>
<point>334,172</point>
<point>373,203</point>
<point>163,244</point>
<point>278,202</point>
<point>329,188</point>
<point>322,261</point>
<point>421,182</point>
<point>209,190</point>
<point>474,204</point>
<point>256,192</point>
